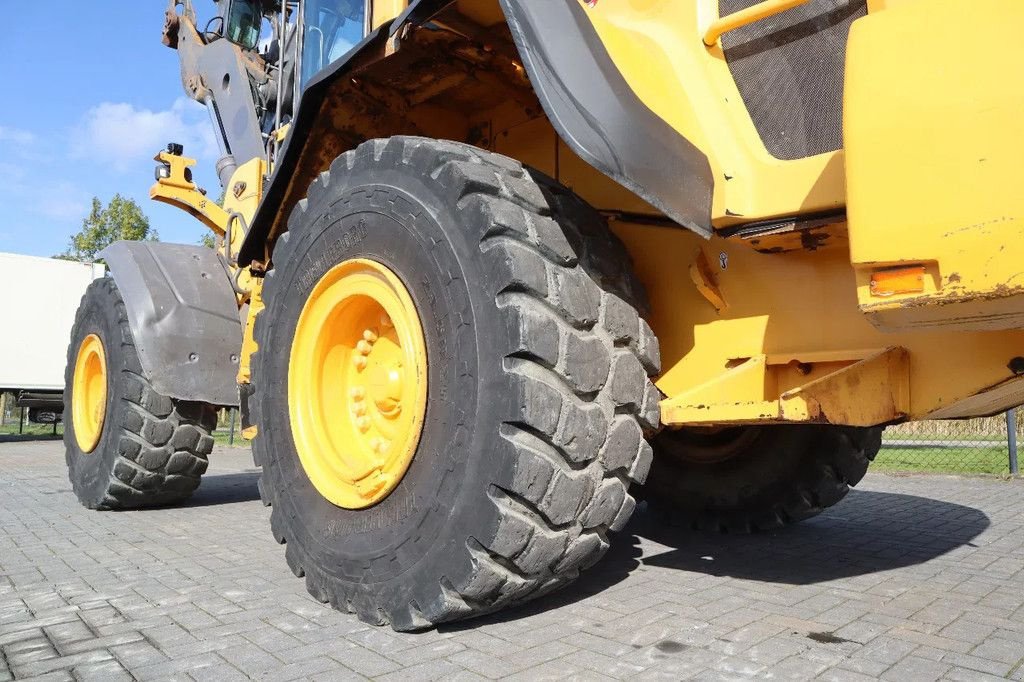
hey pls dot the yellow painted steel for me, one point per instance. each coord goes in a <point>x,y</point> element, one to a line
<point>249,346</point>
<point>865,392</point>
<point>799,312</point>
<point>89,393</point>
<point>357,383</point>
<point>658,46</point>
<point>746,16</point>
<point>934,130</point>
<point>242,196</point>
<point>385,10</point>
<point>178,190</point>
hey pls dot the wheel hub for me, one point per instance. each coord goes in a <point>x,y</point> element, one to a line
<point>357,383</point>
<point>89,393</point>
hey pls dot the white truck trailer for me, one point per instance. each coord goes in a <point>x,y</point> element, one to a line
<point>38,301</point>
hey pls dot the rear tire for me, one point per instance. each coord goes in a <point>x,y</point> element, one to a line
<point>152,450</point>
<point>538,391</point>
<point>754,478</point>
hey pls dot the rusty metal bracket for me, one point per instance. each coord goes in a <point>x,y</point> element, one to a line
<point>869,391</point>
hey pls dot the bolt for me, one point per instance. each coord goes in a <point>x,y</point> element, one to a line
<point>364,347</point>
<point>359,409</point>
<point>358,393</point>
<point>360,362</point>
<point>1017,365</point>
<point>370,336</point>
<point>363,424</point>
<point>381,446</point>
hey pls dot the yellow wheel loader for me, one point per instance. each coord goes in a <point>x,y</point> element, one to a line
<point>488,270</point>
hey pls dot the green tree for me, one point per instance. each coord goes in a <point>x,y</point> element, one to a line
<point>208,240</point>
<point>121,219</point>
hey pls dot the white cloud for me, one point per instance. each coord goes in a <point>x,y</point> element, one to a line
<point>122,135</point>
<point>19,137</point>
<point>66,201</point>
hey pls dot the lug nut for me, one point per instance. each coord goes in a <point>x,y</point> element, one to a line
<point>370,336</point>
<point>358,393</point>
<point>364,347</point>
<point>359,409</point>
<point>359,361</point>
<point>363,424</point>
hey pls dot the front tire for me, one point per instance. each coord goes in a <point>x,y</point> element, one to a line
<point>538,396</point>
<point>126,445</point>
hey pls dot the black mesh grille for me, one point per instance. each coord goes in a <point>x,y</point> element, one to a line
<point>789,70</point>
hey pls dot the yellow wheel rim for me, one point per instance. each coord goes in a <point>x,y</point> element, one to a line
<point>89,393</point>
<point>357,383</point>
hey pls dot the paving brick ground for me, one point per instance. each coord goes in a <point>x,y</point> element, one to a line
<point>909,578</point>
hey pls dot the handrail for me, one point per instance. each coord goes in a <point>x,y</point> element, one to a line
<point>761,10</point>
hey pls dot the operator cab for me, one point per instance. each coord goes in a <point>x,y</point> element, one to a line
<point>329,29</point>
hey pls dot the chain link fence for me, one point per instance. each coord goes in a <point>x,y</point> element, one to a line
<point>968,446</point>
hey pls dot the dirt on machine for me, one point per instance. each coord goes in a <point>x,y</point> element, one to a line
<point>488,272</point>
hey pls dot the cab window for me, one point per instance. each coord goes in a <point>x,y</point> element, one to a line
<point>332,28</point>
<point>243,23</point>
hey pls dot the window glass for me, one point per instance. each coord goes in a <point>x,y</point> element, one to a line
<point>243,23</point>
<point>332,28</point>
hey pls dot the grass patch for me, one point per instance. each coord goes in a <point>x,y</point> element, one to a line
<point>32,431</point>
<point>9,432</point>
<point>974,460</point>
<point>223,437</point>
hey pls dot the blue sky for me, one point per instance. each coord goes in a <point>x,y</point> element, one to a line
<point>90,95</point>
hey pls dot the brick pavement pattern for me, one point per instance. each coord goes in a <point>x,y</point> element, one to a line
<point>912,578</point>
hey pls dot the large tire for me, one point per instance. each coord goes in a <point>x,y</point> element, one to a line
<point>152,450</point>
<point>756,478</point>
<point>538,389</point>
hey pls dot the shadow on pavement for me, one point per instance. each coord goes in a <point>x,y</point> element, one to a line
<point>225,489</point>
<point>866,533</point>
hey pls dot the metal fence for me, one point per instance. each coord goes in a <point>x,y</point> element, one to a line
<point>969,446</point>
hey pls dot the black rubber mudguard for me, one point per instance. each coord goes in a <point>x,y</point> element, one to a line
<point>599,116</point>
<point>184,316</point>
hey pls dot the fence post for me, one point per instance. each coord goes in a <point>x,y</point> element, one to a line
<point>1011,439</point>
<point>231,436</point>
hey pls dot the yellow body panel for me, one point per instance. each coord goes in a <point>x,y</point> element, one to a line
<point>799,311</point>
<point>692,89</point>
<point>386,10</point>
<point>242,196</point>
<point>935,136</point>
